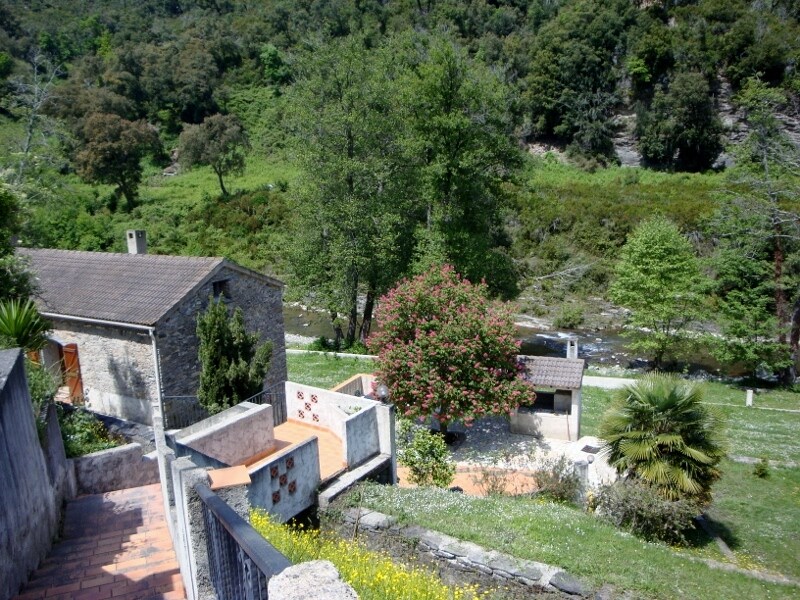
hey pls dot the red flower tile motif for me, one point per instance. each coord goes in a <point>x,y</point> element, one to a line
<point>276,497</point>
<point>301,414</point>
<point>290,463</point>
<point>315,417</point>
<point>308,405</point>
<point>283,479</point>
<point>314,398</point>
<point>292,486</point>
<point>273,471</point>
<point>300,394</point>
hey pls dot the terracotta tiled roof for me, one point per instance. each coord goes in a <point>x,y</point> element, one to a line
<point>553,372</point>
<point>129,288</point>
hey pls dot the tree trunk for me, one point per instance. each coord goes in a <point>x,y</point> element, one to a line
<point>337,330</point>
<point>221,184</point>
<point>366,321</point>
<point>352,308</point>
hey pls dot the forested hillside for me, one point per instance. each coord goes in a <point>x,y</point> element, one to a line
<point>345,144</point>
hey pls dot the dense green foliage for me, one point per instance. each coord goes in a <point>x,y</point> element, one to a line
<point>83,433</point>
<point>660,432</point>
<point>232,362</point>
<point>658,280</point>
<point>446,351</point>
<point>385,138</point>
<point>22,326</point>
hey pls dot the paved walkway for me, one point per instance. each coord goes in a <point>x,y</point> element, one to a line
<point>114,545</point>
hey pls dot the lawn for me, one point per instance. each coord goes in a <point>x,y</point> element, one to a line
<point>325,370</point>
<point>758,518</point>
<point>569,538</point>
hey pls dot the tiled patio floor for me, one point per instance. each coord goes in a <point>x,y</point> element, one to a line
<point>331,451</point>
<point>114,545</point>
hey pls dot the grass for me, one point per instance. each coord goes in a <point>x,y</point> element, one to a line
<point>325,370</point>
<point>373,575</point>
<point>583,545</point>
<point>758,518</point>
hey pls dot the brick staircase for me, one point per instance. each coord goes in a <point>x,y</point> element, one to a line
<point>114,545</point>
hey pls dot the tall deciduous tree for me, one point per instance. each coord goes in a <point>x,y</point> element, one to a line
<point>112,150</point>
<point>459,139</point>
<point>232,362</point>
<point>447,351</point>
<point>355,220</point>
<point>682,129</point>
<point>658,280</point>
<point>755,226</point>
<point>219,142</point>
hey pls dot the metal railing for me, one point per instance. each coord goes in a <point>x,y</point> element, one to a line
<point>276,396</point>
<point>240,561</point>
<point>181,411</point>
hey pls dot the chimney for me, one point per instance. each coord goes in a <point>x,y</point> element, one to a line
<point>137,241</point>
<point>572,347</point>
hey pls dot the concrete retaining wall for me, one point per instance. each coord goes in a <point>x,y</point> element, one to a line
<point>361,437</point>
<point>115,469</point>
<point>33,482</point>
<point>287,484</point>
<point>237,438</point>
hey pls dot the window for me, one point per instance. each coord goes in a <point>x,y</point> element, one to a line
<point>221,290</point>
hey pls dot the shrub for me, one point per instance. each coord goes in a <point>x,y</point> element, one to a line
<point>373,575</point>
<point>571,316</point>
<point>427,459</point>
<point>641,509</point>
<point>446,350</point>
<point>660,432</point>
<point>22,325</point>
<point>557,480</point>
<point>83,433</point>
<point>761,468</point>
<point>232,363</point>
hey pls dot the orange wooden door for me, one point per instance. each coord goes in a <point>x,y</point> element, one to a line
<point>72,372</point>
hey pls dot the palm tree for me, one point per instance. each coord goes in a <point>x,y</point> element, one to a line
<point>22,325</point>
<point>660,432</point>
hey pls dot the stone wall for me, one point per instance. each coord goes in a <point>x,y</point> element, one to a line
<point>33,483</point>
<point>115,469</point>
<point>117,367</point>
<point>177,338</point>
<point>467,556</point>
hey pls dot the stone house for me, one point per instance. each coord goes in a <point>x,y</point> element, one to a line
<point>124,324</point>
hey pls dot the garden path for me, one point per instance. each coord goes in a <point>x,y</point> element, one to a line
<point>114,544</point>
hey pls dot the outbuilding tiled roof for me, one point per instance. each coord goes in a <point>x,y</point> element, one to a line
<point>554,372</point>
<point>128,288</point>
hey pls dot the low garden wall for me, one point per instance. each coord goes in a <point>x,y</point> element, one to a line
<point>467,556</point>
<point>115,469</point>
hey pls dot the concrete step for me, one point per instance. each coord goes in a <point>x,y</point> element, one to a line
<point>349,478</point>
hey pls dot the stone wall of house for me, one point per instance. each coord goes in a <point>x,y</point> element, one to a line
<point>117,368</point>
<point>177,339</point>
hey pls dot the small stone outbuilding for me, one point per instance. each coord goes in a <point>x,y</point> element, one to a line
<point>555,414</point>
<point>124,325</point>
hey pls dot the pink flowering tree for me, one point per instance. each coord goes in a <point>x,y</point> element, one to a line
<point>446,350</point>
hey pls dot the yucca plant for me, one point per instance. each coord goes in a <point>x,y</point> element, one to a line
<point>660,432</point>
<point>22,325</point>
